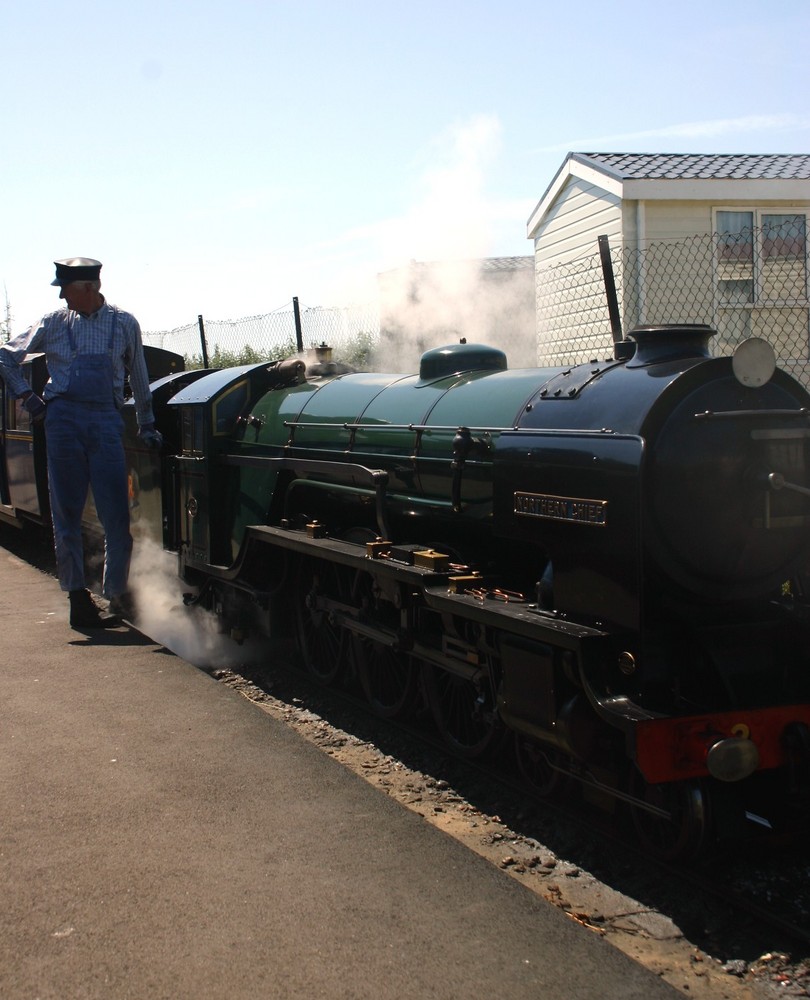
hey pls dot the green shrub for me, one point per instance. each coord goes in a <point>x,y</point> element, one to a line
<point>247,356</point>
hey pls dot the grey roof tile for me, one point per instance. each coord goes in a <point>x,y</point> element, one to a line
<point>483,263</point>
<point>506,263</point>
<point>702,166</point>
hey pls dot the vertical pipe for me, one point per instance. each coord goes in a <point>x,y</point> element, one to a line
<point>201,325</point>
<point>641,270</point>
<point>610,289</point>
<point>299,336</point>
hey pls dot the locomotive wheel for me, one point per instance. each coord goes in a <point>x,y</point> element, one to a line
<point>535,763</point>
<point>323,643</point>
<point>683,833</point>
<point>387,677</point>
<point>466,722</point>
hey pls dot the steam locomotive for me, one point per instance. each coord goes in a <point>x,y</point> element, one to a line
<point>607,561</point>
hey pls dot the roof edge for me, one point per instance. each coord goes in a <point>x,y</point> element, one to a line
<point>626,184</point>
<point>585,167</point>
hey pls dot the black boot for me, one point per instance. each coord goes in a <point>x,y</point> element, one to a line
<point>85,613</point>
<point>124,606</point>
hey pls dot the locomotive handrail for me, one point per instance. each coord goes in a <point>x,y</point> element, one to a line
<point>352,426</point>
<point>452,428</point>
<point>747,414</point>
<point>316,465</point>
<point>374,479</point>
<point>777,482</point>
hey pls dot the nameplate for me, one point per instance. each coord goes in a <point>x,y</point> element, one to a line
<point>573,510</point>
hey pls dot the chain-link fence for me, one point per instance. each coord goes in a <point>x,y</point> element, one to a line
<point>744,282</point>
<point>349,330</point>
<point>421,306</point>
<point>752,282</point>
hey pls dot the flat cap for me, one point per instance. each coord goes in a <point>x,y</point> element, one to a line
<point>76,269</point>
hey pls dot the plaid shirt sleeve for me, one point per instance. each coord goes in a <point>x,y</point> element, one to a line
<point>51,336</point>
<point>136,366</point>
<point>13,353</point>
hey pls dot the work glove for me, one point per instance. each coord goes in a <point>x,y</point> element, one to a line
<point>150,437</point>
<point>35,406</point>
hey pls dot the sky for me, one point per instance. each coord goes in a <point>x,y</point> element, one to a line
<point>220,159</point>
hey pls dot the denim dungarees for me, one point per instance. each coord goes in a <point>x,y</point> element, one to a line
<point>84,435</point>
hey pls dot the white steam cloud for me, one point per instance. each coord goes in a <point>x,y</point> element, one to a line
<point>432,285</point>
<point>190,632</point>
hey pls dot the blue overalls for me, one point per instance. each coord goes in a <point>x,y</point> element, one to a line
<point>84,436</point>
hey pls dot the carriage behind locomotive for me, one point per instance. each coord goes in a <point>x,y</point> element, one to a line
<point>604,560</point>
<point>23,474</point>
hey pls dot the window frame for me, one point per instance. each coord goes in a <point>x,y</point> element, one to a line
<point>759,301</point>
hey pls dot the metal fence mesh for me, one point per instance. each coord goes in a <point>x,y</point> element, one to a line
<point>272,335</point>
<point>750,283</point>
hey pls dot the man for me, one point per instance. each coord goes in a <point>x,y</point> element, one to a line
<point>89,347</point>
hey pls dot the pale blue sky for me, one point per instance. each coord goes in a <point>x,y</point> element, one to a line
<point>220,159</point>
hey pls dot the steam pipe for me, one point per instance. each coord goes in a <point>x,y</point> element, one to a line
<point>201,325</point>
<point>610,289</point>
<point>299,335</point>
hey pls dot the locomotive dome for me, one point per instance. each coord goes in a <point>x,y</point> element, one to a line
<point>463,357</point>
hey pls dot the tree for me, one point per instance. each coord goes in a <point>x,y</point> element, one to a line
<point>359,351</point>
<point>5,323</point>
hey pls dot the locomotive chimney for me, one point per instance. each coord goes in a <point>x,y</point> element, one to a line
<point>655,344</point>
<point>319,353</point>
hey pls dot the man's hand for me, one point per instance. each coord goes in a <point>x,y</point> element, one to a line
<point>35,406</point>
<point>150,437</point>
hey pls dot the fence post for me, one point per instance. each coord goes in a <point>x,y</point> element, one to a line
<point>201,325</point>
<point>299,336</point>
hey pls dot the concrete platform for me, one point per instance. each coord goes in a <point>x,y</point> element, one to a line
<point>161,837</point>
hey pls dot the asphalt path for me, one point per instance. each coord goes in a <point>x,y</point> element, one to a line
<point>161,837</point>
